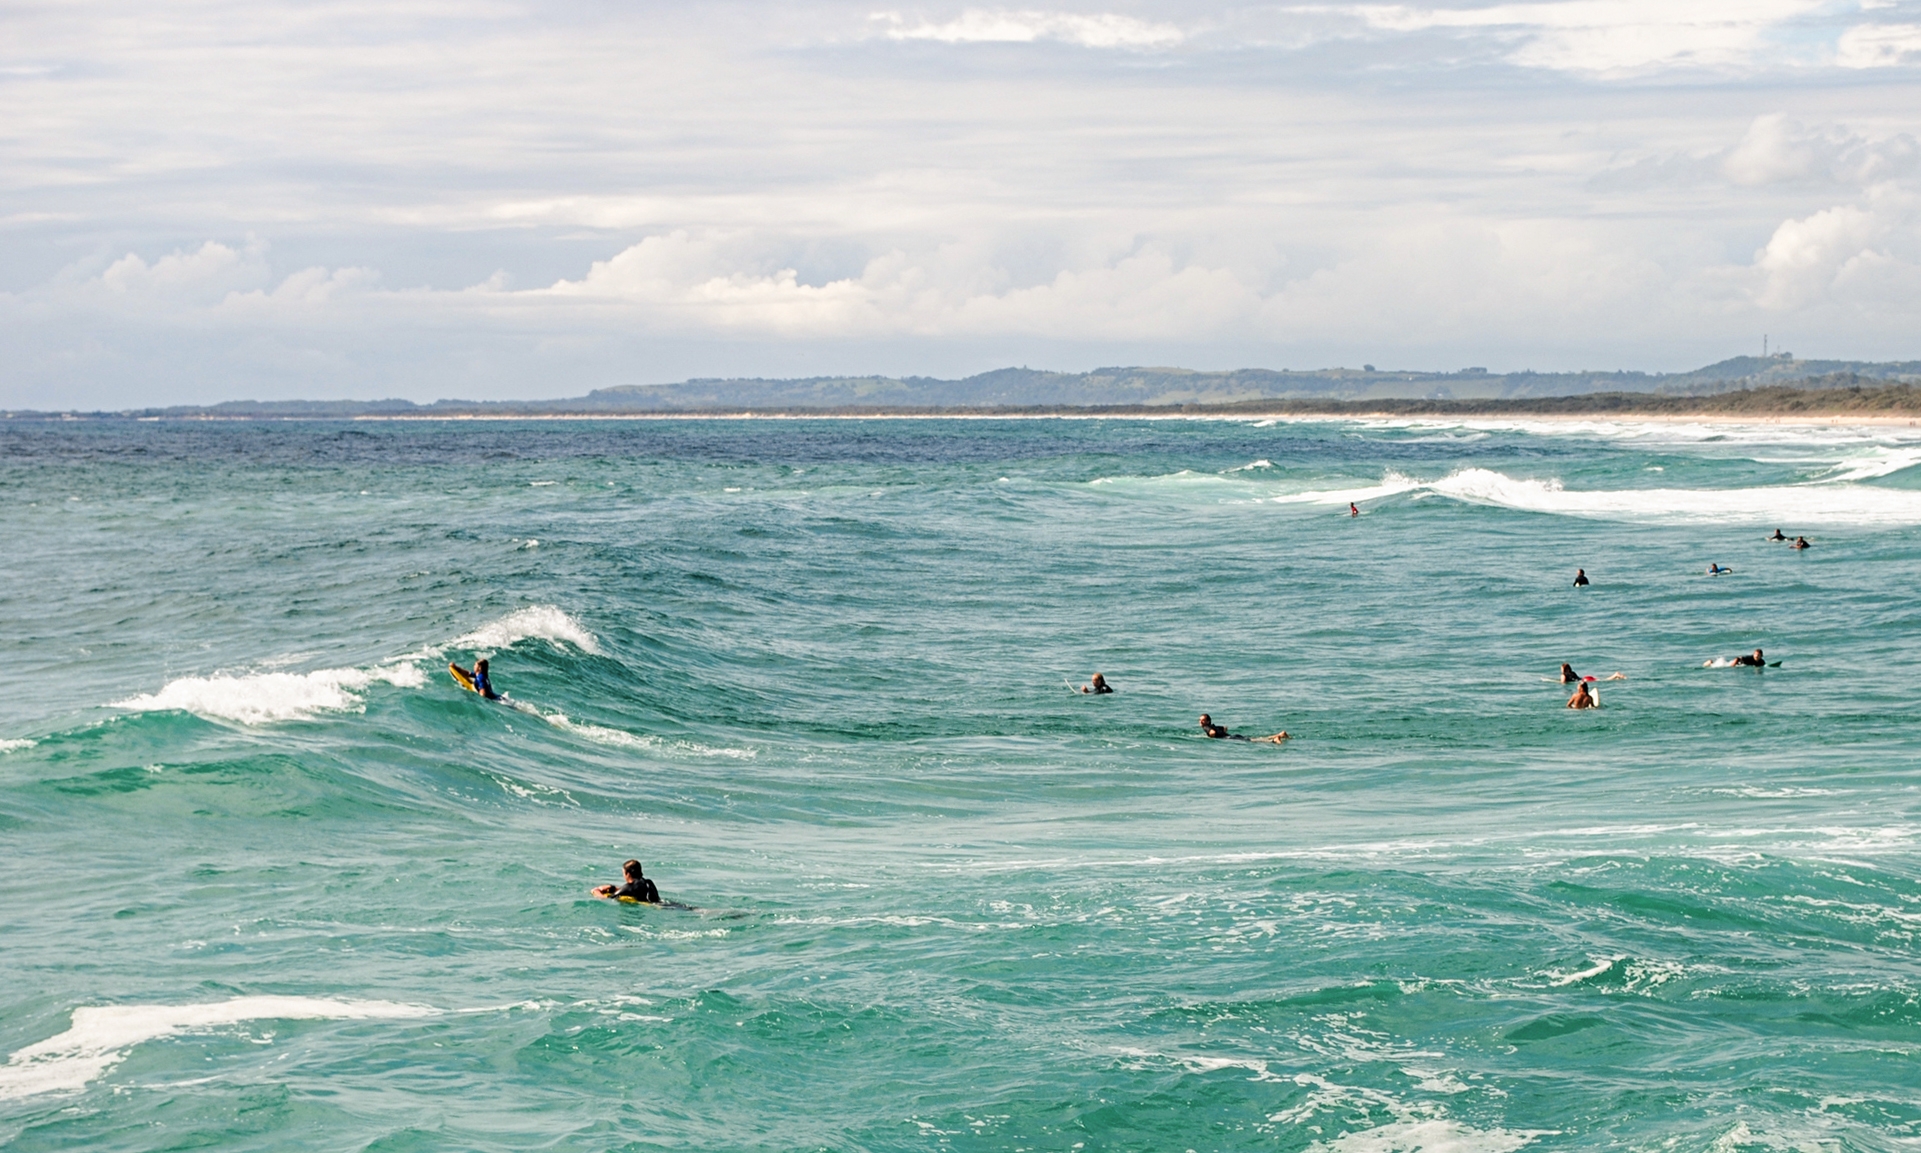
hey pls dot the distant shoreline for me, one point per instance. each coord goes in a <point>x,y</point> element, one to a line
<point>1892,405</point>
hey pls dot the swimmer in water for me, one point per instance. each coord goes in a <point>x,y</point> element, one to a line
<point>637,888</point>
<point>1777,535</point>
<point>1353,509</point>
<point>1580,578</point>
<point>1800,542</point>
<point>1097,686</point>
<point>1582,698</point>
<point>1717,570</point>
<point>1220,733</point>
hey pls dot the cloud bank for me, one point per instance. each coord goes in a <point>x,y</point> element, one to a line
<point>495,200</point>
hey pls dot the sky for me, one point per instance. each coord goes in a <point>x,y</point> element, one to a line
<point>207,200</point>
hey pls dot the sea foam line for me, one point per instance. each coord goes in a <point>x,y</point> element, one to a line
<point>1831,500</point>
<point>266,697</point>
<point>100,1035</point>
<point>261,698</point>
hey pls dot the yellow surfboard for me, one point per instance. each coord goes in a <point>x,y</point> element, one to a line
<point>462,677</point>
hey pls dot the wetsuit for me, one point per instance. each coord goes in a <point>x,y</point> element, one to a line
<point>641,890</point>
<point>482,687</point>
<point>1580,580</point>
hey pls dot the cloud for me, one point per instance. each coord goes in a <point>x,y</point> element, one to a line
<point>1775,150</point>
<point>1612,36</point>
<point>681,281</point>
<point>1809,257</point>
<point>1878,45</point>
<point>204,274</point>
<point>1002,26</point>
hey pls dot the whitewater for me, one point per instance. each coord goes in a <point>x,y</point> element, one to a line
<point>273,879</point>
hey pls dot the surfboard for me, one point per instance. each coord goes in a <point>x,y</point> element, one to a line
<point>462,677</point>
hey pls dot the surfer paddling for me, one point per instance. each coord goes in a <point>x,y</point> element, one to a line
<point>1097,686</point>
<point>1753,660</point>
<point>1220,733</point>
<point>1570,677</point>
<point>637,888</point>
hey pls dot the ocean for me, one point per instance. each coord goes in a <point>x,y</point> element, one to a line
<point>272,880</point>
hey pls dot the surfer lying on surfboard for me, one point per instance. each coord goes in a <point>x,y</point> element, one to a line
<point>1220,733</point>
<point>1569,676</point>
<point>638,888</point>
<point>1754,661</point>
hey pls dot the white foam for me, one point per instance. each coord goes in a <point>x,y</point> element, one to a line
<point>262,698</point>
<point>542,622</point>
<point>1429,1135</point>
<point>1826,502</point>
<point>617,738</point>
<point>1880,460</point>
<point>11,746</point>
<point>1251,467</point>
<point>1392,484</point>
<point>1597,969</point>
<point>100,1035</point>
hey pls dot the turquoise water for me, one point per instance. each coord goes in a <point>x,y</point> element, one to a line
<point>272,881</point>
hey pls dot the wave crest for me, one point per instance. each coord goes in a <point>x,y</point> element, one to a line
<point>262,698</point>
<point>100,1035</point>
<point>542,622</point>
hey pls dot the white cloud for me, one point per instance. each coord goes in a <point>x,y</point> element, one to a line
<point>1002,26</point>
<point>207,273</point>
<point>1807,257</point>
<point>1878,46</point>
<point>1777,149</point>
<point>1612,36</point>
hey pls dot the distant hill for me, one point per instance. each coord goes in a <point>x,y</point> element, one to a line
<point>1028,388</point>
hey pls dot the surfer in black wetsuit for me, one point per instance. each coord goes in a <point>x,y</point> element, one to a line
<point>1568,675</point>
<point>1097,686</point>
<point>1750,662</point>
<point>1220,733</point>
<point>637,888</point>
<point>1777,535</point>
<point>1580,578</point>
<point>1800,542</point>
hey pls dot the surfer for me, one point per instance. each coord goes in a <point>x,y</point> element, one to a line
<point>1353,509</point>
<point>1569,676</point>
<point>1220,733</point>
<point>1582,698</point>
<point>482,685</point>
<point>1580,580</point>
<point>1777,535</point>
<point>1800,542</point>
<point>477,679</point>
<point>1749,662</point>
<point>1097,686</point>
<point>637,888</point>
<point>1717,570</point>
